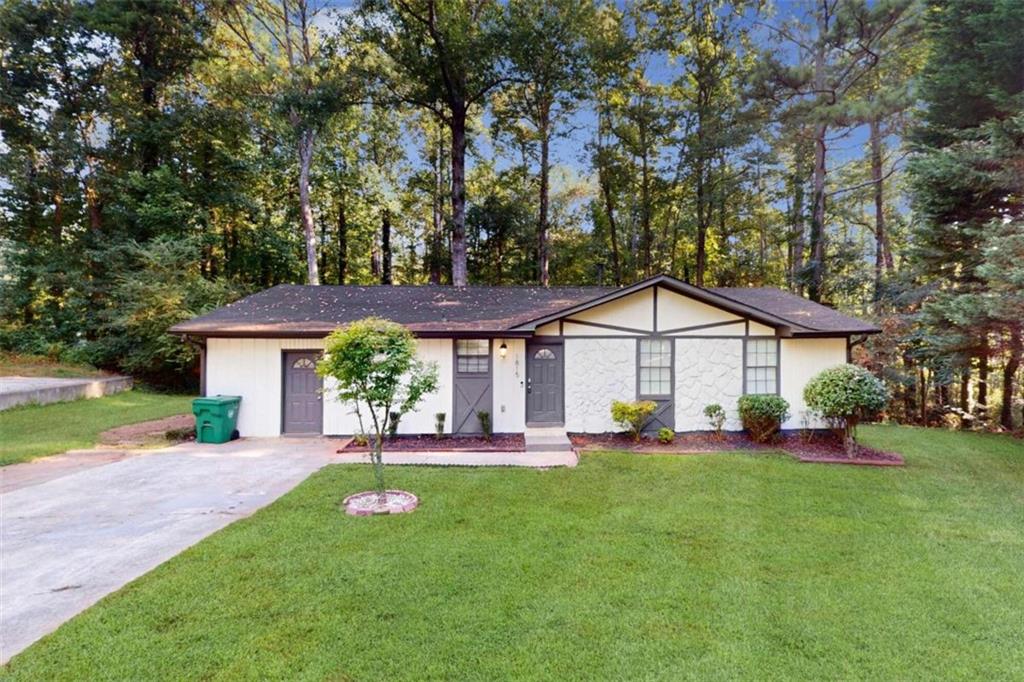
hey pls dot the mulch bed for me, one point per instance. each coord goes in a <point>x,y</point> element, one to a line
<point>499,442</point>
<point>819,447</point>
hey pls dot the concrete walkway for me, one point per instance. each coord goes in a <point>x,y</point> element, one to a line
<point>76,527</point>
<point>42,390</point>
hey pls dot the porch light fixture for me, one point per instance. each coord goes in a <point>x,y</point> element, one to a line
<point>503,349</point>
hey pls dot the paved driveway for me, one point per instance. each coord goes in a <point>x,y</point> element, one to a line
<point>68,541</point>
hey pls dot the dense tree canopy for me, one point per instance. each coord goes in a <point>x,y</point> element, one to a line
<point>161,157</point>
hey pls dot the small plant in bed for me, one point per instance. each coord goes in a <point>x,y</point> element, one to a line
<point>762,415</point>
<point>373,363</point>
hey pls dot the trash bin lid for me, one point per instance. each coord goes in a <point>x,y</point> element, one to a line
<point>218,400</point>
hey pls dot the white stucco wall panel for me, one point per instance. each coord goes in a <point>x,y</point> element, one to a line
<point>635,311</point>
<point>676,310</point>
<point>509,387</point>
<point>707,371</point>
<point>597,371</point>
<point>800,360</point>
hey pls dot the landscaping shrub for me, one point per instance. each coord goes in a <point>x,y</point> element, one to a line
<point>666,435</point>
<point>485,423</point>
<point>716,417</point>
<point>439,424</point>
<point>844,396</point>
<point>762,415</point>
<point>395,417</point>
<point>632,416</point>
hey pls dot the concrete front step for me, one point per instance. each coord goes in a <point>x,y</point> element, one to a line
<point>547,439</point>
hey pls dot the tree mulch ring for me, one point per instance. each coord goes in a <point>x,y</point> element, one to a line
<point>824,447</point>
<point>828,449</point>
<point>179,428</point>
<point>499,442</point>
<point>370,503</point>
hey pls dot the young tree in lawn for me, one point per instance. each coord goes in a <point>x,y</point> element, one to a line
<point>445,56</point>
<point>374,366</point>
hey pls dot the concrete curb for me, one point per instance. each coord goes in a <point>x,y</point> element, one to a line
<point>58,390</point>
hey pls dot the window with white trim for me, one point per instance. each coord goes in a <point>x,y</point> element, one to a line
<point>471,356</point>
<point>655,370</point>
<point>762,364</point>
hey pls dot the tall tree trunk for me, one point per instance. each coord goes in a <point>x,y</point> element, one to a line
<point>965,390</point>
<point>306,143</point>
<point>1009,375</point>
<point>876,179</point>
<point>342,239</point>
<point>645,209</point>
<point>458,128</point>
<point>542,218</point>
<point>702,224</point>
<point>385,247</point>
<point>437,212</point>
<point>798,219</point>
<point>817,241</point>
<point>983,381</point>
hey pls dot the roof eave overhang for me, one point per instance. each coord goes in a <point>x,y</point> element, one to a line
<point>319,334</point>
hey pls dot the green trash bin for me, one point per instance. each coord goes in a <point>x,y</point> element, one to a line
<point>216,417</point>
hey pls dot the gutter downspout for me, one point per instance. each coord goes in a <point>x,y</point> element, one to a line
<point>200,344</point>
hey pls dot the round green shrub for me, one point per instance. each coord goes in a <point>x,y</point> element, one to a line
<point>845,395</point>
<point>666,435</point>
<point>762,415</point>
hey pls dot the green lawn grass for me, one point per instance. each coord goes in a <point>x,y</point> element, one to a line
<point>725,566</point>
<point>22,365</point>
<point>31,431</point>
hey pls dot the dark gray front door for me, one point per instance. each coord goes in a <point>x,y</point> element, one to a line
<point>544,398</point>
<point>303,404</point>
<point>472,384</point>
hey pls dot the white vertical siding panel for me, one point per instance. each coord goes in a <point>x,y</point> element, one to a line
<point>799,361</point>
<point>509,387</point>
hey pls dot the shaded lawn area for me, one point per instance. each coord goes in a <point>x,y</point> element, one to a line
<point>21,365</point>
<point>30,431</point>
<point>717,566</point>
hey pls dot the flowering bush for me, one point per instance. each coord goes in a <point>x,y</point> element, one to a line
<point>845,395</point>
<point>632,416</point>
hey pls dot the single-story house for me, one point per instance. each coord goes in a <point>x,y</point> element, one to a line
<point>531,356</point>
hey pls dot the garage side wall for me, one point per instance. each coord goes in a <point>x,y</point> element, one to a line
<point>251,368</point>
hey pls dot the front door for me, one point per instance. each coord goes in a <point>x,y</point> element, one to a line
<point>303,403</point>
<point>544,400</point>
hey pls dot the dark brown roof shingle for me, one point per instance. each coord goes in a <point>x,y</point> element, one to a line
<point>296,310</point>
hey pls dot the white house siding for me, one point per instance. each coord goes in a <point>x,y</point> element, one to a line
<point>707,371</point>
<point>634,311</point>
<point>251,368</point>
<point>675,311</point>
<point>597,371</point>
<point>800,360</point>
<point>509,387</point>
